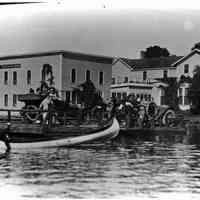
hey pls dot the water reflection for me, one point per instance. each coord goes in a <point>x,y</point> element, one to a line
<point>129,166</point>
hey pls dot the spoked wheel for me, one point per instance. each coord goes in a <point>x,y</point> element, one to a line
<point>31,116</point>
<point>168,117</point>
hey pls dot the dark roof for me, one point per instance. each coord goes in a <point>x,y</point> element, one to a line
<point>160,62</point>
<point>67,54</point>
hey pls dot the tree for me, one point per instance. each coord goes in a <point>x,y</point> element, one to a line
<point>156,52</point>
<point>196,46</point>
<point>171,98</point>
<point>88,94</point>
<point>194,90</point>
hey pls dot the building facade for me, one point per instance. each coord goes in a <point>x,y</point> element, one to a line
<point>151,72</point>
<point>20,73</point>
<point>142,76</point>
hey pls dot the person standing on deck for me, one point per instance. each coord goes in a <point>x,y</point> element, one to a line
<point>4,137</point>
<point>45,104</point>
<point>152,112</point>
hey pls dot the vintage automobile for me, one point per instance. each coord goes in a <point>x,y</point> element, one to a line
<point>144,116</point>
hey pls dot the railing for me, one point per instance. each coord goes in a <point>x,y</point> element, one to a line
<point>19,115</point>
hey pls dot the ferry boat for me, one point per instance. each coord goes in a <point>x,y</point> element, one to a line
<point>20,135</point>
<point>61,125</point>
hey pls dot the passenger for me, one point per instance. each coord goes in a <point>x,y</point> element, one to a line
<point>152,111</point>
<point>6,139</point>
<point>138,101</point>
<point>31,91</point>
<point>45,105</point>
<point>112,106</point>
<point>152,108</point>
<point>141,116</point>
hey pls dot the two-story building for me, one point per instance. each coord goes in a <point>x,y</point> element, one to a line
<point>143,77</point>
<point>19,73</point>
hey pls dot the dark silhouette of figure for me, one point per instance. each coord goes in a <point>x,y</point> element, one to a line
<point>6,139</point>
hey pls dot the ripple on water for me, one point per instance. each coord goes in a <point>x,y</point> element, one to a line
<point>124,168</point>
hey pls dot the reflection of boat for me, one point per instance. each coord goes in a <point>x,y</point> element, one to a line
<point>30,136</point>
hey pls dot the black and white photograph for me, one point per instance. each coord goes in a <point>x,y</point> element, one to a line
<point>99,99</point>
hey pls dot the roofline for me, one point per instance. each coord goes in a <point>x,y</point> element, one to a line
<point>123,62</point>
<point>136,68</point>
<point>186,57</point>
<point>70,54</point>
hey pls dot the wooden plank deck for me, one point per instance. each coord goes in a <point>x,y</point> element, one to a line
<point>156,130</point>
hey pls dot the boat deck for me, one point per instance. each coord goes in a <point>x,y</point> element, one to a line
<point>156,130</point>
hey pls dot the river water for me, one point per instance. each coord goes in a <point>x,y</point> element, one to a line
<point>150,167</point>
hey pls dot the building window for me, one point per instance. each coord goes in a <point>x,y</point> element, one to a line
<point>162,97</point>
<point>125,79</point>
<point>124,95</point>
<point>101,78</point>
<point>144,76</point>
<point>5,78</point>
<point>180,95</point>
<point>145,97</point>
<point>73,75</point>
<point>100,93</point>
<point>14,78</point>
<point>186,68</point>
<point>14,100</point>
<point>87,75</point>
<point>165,74</point>
<point>29,77</point>
<point>6,100</point>
<point>149,97</point>
<point>113,80</point>
<point>186,99</point>
<point>113,95</point>
<point>119,95</point>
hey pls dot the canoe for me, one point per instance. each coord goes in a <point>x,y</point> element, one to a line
<point>53,139</point>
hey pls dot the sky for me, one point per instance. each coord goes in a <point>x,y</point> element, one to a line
<point>104,27</point>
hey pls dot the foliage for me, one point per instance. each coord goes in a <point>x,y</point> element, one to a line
<point>155,52</point>
<point>194,90</point>
<point>196,46</point>
<point>171,98</point>
<point>89,95</point>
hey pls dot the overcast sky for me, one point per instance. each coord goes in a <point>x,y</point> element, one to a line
<point>103,30</point>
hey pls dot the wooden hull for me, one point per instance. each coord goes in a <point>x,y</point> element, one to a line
<point>55,140</point>
<point>156,130</point>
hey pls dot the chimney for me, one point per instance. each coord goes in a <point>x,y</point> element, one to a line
<point>142,53</point>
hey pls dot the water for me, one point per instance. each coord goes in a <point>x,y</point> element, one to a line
<point>154,167</point>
